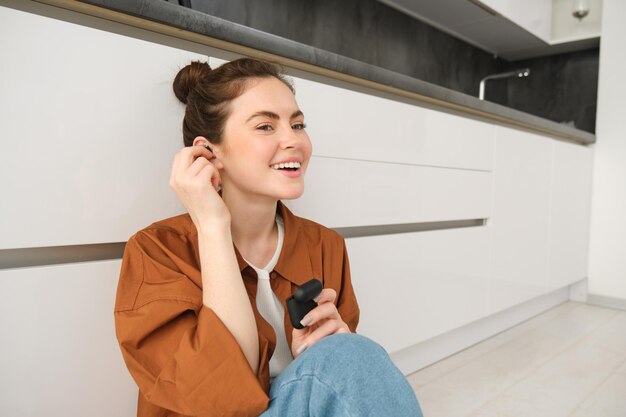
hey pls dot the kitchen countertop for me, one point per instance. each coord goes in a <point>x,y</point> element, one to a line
<point>197,22</point>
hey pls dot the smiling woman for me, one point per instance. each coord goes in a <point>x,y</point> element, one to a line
<point>200,308</point>
<point>264,128</point>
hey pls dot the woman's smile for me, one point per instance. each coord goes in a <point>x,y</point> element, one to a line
<point>289,168</point>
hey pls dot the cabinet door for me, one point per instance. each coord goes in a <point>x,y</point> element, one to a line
<point>354,125</point>
<point>569,214</point>
<point>521,215</point>
<point>344,193</point>
<point>59,353</point>
<point>414,286</point>
<point>88,136</point>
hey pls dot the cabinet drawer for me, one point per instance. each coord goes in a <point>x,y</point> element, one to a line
<point>344,193</point>
<point>88,160</point>
<point>414,286</point>
<point>348,124</point>
<point>59,342</point>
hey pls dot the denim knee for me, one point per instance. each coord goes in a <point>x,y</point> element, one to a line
<point>336,356</point>
<point>348,346</point>
<point>346,372</point>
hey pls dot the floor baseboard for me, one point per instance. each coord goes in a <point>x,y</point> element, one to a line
<point>419,356</point>
<point>605,301</point>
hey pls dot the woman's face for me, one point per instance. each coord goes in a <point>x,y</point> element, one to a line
<point>264,129</point>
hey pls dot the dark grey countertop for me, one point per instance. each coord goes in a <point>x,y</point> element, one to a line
<point>181,17</point>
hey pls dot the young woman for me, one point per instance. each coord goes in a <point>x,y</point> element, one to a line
<point>200,311</point>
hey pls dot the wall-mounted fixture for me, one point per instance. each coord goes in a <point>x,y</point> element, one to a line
<point>580,9</point>
<point>524,72</point>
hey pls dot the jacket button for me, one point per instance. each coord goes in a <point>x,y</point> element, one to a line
<point>273,275</point>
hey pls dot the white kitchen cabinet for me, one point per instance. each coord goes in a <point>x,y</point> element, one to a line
<point>88,133</point>
<point>566,28</point>
<point>95,166</point>
<point>520,224</point>
<point>415,286</point>
<point>353,125</point>
<point>344,193</point>
<point>551,20</point>
<point>535,16</point>
<point>59,353</point>
<point>569,214</point>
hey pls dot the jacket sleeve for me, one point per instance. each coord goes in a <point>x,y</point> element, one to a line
<point>347,305</point>
<point>178,351</point>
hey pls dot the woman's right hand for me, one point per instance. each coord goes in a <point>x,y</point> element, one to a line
<point>195,180</point>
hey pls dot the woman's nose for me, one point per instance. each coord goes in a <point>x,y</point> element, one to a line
<point>290,139</point>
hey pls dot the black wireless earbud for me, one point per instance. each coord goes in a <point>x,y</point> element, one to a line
<point>301,302</point>
<point>210,150</point>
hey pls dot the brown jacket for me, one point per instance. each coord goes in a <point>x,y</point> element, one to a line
<point>180,354</point>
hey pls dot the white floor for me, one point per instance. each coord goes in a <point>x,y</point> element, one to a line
<point>567,362</point>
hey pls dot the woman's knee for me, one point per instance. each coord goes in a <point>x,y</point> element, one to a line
<point>347,365</point>
<point>336,354</point>
<point>347,349</point>
<point>350,343</point>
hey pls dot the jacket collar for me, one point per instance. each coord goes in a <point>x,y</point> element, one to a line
<point>294,261</point>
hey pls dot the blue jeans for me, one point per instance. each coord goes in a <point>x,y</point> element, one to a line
<point>343,375</point>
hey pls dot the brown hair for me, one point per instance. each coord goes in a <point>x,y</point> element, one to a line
<point>207,93</point>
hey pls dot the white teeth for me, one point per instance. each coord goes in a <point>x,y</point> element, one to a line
<point>286,165</point>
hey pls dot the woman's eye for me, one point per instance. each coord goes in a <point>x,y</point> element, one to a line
<point>299,126</point>
<point>265,127</point>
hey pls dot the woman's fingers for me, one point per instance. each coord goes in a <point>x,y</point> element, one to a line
<point>186,157</point>
<point>198,165</point>
<point>191,162</point>
<point>327,295</point>
<point>213,173</point>
<point>320,322</point>
<point>323,311</point>
<point>190,153</point>
<point>193,175</point>
<point>326,328</point>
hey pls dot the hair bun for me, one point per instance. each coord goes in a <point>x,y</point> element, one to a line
<point>188,77</point>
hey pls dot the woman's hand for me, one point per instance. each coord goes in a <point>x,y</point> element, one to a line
<point>195,180</point>
<point>323,321</point>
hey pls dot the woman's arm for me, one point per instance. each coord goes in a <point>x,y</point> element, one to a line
<point>179,352</point>
<point>195,180</point>
<point>223,290</point>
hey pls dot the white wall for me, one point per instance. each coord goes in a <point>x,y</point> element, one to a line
<point>607,256</point>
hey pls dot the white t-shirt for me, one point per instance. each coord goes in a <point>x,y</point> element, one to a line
<point>271,308</point>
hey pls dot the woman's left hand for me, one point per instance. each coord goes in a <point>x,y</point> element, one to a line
<point>320,322</point>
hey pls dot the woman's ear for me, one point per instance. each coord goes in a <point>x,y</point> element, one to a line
<point>201,141</point>
<point>217,150</point>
